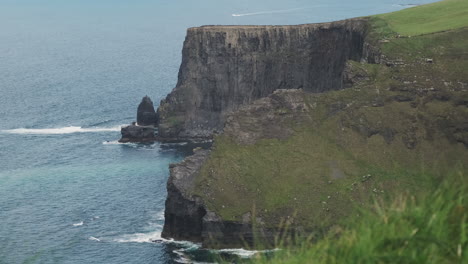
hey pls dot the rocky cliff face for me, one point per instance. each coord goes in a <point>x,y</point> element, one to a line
<point>304,156</point>
<point>187,217</point>
<point>184,213</point>
<point>224,67</point>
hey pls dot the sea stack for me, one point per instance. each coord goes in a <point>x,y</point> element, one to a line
<point>146,116</point>
<point>144,129</point>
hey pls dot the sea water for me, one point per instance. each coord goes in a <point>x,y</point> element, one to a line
<point>71,73</point>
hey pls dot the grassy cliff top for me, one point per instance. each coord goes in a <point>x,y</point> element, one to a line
<point>401,127</point>
<point>425,19</point>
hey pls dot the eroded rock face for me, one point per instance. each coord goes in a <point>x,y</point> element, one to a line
<point>134,133</point>
<point>184,212</point>
<point>225,67</point>
<point>146,115</point>
<point>187,218</point>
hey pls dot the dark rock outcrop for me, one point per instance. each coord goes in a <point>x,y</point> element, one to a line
<point>187,218</point>
<point>134,133</point>
<point>146,115</point>
<point>145,128</point>
<point>225,67</point>
<point>184,212</point>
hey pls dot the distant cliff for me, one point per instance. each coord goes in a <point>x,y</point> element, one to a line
<point>224,67</point>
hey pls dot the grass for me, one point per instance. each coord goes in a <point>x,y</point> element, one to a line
<point>431,228</point>
<point>426,19</point>
<point>312,176</point>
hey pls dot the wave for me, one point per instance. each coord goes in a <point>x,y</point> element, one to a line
<point>78,224</point>
<point>269,12</point>
<point>94,239</point>
<point>160,216</point>
<point>150,237</point>
<point>175,144</point>
<point>115,142</point>
<point>61,130</point>
<point>243,253</point>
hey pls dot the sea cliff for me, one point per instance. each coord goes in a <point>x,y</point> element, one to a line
<point>309,122</point>
<point>225,67</point>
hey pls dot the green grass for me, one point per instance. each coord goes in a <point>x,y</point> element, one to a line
<point>431,228</point>
<point>312,176</point>
<point>425,19</point>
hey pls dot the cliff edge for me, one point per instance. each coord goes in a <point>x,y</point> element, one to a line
<point>225,67</point>
<point>294,148</point>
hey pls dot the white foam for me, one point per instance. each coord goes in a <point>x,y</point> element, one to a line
<point>243,253</point>
<point>115,142</point>
<point>78,224</point>
<point>94,239</point>
<point>160,216</point>
<point>152,237</point>
<point>141,238</point>
<point>268,12</point>
<point>182,257</point>
<point>175,144</point>
<point>61,130</point>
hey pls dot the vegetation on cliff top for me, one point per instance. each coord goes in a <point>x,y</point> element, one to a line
<point>399,120</point>
<point>432,228</point>
<point>401,128</point>
<point>440,16</point>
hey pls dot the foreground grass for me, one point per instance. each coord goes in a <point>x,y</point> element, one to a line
<point>428,229</point>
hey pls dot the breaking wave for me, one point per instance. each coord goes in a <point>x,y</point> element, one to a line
<point>152,237</point>
<point>115,142</point>
<point>94,239</point>
<point>243,253</point>
<point>61,130</point>
<point>78,224</point>
<point>141,238</point>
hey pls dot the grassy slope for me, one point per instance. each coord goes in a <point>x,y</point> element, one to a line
<point>296,177</point>
<point>436,17</point>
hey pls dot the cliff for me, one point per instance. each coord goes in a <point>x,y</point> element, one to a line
<point>306,158</point>
<point>225,67</point>
<point>187,217</point>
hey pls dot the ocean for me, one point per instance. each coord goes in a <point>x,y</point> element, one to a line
<point>71,73</point>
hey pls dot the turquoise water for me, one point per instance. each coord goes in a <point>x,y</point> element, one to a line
<point>72,72</point>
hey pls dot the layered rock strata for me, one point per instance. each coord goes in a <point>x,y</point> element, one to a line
<point>225,67</point>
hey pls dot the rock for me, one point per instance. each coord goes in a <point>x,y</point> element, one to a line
<point>187,218</point>
<point>134,133</point>
<point>184,213</point>
<point>226,67</point>
<point>146,116</point>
